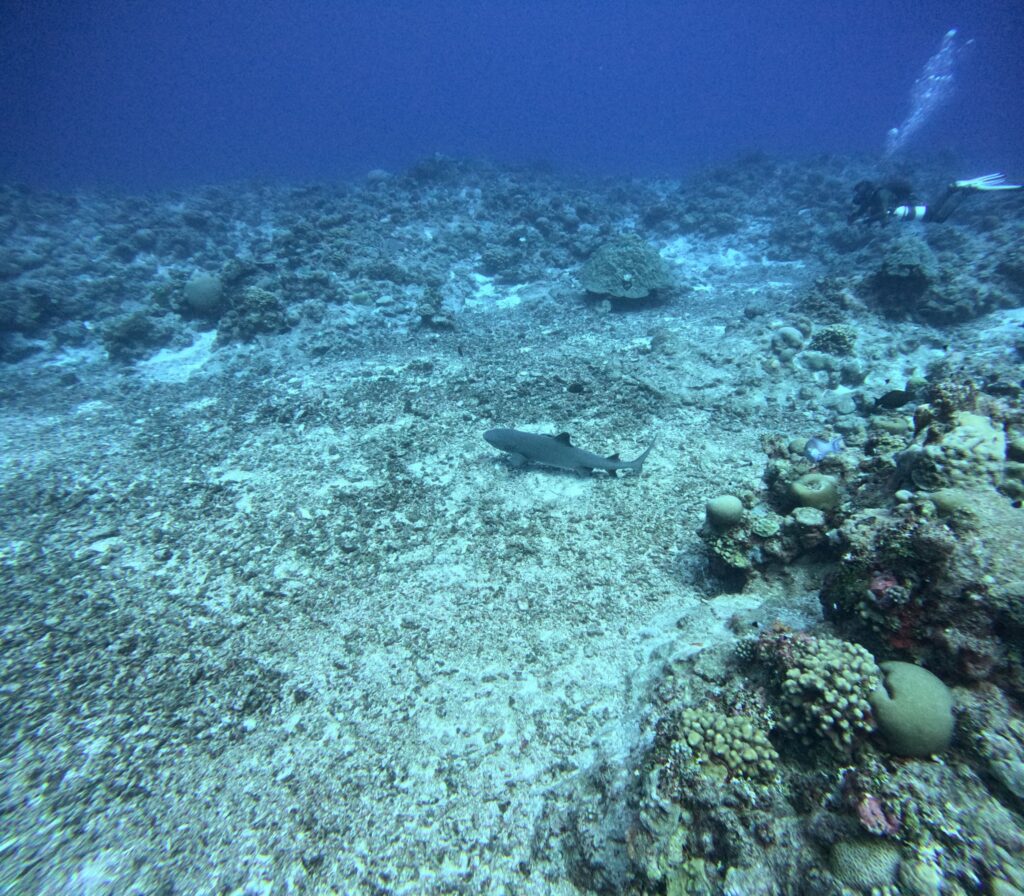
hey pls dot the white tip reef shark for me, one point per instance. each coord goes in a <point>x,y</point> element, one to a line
<point>558,451</point>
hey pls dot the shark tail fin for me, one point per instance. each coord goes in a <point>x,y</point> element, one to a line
<point>638,464</point>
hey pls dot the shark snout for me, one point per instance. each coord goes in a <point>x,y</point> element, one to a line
<point>499,438</point>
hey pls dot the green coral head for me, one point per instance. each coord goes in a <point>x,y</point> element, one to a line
<point>817,490</point>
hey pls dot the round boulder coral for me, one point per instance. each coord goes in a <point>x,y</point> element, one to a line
<point>724,511</point>
<point>913,709</point>
<point>625,269</point>
<point>203,293</point>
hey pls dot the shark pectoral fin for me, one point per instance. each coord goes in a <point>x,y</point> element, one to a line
<point>517,460</point>
<point>563,437</point>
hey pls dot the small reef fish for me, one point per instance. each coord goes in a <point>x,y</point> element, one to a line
<point>895,398</point>
<point>818,449</point>
<point>558,451</point>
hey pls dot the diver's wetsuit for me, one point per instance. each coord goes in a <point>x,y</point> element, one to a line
<point>895,199</point>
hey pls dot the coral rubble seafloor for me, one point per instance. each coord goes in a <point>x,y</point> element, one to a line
<point>278,620</point>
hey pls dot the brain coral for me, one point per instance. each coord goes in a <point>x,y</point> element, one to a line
<point>914,710</point>
<point>865,864</point>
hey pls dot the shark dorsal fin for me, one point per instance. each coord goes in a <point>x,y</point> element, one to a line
<point>614,457</point>
<point>563,437</point>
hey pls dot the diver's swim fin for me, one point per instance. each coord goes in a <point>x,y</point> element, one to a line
<point>986,182</point>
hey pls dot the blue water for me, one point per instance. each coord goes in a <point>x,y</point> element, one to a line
<point>158,94</point>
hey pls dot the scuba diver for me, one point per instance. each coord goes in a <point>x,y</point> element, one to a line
<point>895,200</point>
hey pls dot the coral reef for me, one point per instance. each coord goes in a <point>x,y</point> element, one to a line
<point>944,591</point>
<point>919,656</point>
<point>798,820</point>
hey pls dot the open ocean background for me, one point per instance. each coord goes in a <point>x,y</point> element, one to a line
<point>166,94</point>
